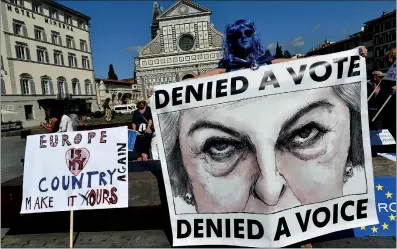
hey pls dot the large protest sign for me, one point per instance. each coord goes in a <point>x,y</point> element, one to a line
<point>76,171</point>
<point>270,157</point>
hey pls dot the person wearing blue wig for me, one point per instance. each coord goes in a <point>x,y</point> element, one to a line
<point>242,49</point>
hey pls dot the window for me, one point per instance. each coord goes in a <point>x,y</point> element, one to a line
<point>29,112</point>
<point>54,14</point>
<point>2,63</point>
<point>25,86</point>
<point>67,19</point>
<point>45,84</point>
<point>75,87</point>
<point>70,42</point>
<point>88,87</point>
<point>61,86</point>
<point>19,28</point>
<point>3,86</point>
<point>72,60</point>
<point>36,7</point>
<point>39,33</point>
<point>56,38</point>
<point>58,58</point>
<point>83,45</point>
<point>186,42</point>
<point>85,62</point>
<point>42,55</point>
<point>80,24</point>
<point>22,51</point>
<point>17,2</point>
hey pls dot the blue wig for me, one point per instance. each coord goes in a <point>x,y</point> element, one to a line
<point>230,49</point>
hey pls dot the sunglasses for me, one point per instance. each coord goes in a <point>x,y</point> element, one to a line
<point>246,33</point>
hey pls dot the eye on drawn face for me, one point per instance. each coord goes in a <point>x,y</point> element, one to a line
<point>284,156</point>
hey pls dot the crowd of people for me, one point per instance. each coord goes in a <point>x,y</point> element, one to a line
<point>59,119</point>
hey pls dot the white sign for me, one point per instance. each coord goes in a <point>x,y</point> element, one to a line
<point>386,138</point>
<point>270,157</point>
<point>391,73</point>
<point>76,170</point>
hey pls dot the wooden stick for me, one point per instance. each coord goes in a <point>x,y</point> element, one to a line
<point>373,92</point>
<point>71,229</point>
<point>384,104</point>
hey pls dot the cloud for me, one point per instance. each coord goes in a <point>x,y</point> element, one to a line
<point>134,49</point>
<point>315,28</point>
<point>271,46</point>
<point>298,42</point>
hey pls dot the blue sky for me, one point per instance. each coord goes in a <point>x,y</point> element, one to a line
<point>119,28</point>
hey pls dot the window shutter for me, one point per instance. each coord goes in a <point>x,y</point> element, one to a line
<point>24,30</point>
<point>32,86</point>
<point>16,51</point>
<point>78,88</point>
<point>66,87</point>
<point>73,43</point>
<point>88,64</point>
<point>44,35</point>
<point>51,86</point>
<point>63,64</point>
<point>22,89</point>
<point>37,52</point>
<point>47,60</point>
<point>42,86</point>
<point>14,27</point>
<point>27,53</point>
<point>60,40</point>
<point>75,62</point>
<point>21,3</point>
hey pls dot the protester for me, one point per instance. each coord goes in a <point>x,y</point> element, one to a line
<point>142,122</point>
<point>108,111</point>
<point>52,125</point>
<point>75,119</point>
<point>66,124</point>
<point>242,49</point>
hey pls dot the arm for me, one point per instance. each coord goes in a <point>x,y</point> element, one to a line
<point>150,122</point>
<point>50,126</point>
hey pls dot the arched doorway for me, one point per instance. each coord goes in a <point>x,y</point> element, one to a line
<point>187,76</point>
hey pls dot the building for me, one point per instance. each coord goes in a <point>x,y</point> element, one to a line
<point>384,38</point>
<point>123,91</point>
<point>186,45</point>
<point>45,53</point>
<point>378,35</point>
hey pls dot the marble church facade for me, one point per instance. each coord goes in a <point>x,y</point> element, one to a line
<point>186,45</point>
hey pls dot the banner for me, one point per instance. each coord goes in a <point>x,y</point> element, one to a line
<point>76,170</point>
<point>267,157</point>
<point>391,73</point>
<point>385,193</point>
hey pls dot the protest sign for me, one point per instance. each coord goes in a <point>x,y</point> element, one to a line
<point>385,193</point>
<point>391,73</point>
<point>131,139</point>
<point>267,157</point>
<point>76,171</point>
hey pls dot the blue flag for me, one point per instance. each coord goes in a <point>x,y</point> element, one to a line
<point>131,139</point>
<point>385,196</point>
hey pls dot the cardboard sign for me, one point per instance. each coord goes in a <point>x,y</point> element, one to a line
<point>267,157</point>
<point>385,137</point>
<point>76,170</point>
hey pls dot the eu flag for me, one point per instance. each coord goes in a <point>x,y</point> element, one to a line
<point>385,197</point>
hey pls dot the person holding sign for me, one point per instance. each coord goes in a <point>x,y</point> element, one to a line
<point>243,49</point>
<point>142,122</point>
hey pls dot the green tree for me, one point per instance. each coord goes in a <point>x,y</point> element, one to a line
<point>111,74</point>
<point>279,51</point>
<point>287,54</point>
<point>267,53</point>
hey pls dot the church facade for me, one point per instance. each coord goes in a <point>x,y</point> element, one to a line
<point>185,45</point>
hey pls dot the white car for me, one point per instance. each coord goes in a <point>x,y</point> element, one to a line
<point>123,109</point>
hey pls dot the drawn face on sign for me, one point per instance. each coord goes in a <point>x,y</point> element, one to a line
<point>281,156</point>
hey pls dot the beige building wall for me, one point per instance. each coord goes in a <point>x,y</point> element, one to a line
<point>59,77</point>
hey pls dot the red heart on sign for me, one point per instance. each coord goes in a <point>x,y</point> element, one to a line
<point>76,159</point>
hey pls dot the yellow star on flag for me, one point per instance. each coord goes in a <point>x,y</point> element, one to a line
<point>362,228</point>
<point>392,217</point>
<point>385,226</point>
<point>388,194</point>
<point>379,187</point>
<point>374,229</point>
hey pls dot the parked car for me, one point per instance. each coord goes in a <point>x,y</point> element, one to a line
<point>123,109</point>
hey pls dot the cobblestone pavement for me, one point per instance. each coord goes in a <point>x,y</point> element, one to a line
<point>11,168</point>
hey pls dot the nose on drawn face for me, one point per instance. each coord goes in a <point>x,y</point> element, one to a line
<point>271,185</point>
